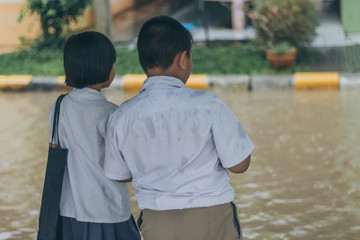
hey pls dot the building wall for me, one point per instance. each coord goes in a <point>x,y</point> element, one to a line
<point>11,30</point>
<point>118,6</point>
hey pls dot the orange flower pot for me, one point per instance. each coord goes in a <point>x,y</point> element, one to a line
<point>281,61</point>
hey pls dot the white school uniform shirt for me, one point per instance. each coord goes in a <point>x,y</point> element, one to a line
<point>87,194</point>
<point>176,143</point>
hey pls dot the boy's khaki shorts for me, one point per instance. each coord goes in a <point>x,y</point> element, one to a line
<point>218,222</point>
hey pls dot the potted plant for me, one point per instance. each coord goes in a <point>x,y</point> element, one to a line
<point>281,55</point>
<point>283,25</point>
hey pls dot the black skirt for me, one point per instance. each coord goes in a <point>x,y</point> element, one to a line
<point>75,230</point>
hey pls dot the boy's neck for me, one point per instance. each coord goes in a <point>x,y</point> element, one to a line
<point>153,72</point>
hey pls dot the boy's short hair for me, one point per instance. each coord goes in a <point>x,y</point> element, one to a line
<point>88,59</point>
<point>159,40</point>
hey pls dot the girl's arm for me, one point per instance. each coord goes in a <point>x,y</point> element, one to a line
<point>52,145</point>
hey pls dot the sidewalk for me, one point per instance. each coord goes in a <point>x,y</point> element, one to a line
<point>340,52</point>
<point>330,32</point>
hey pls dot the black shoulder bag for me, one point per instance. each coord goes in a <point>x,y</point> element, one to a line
<point>49,220</point>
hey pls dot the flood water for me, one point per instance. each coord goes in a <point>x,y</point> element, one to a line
<point>303,183</point>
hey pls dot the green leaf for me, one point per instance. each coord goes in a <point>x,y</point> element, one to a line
<point>51,12</point>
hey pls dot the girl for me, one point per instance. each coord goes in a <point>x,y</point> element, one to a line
<point>91,206</point>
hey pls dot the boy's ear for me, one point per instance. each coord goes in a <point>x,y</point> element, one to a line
<point>182,60</point>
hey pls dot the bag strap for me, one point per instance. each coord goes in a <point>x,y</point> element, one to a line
<point>55,130</point>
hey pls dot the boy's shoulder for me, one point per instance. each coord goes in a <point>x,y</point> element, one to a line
<point>192,96</point>
<point>203,96</point>
<point>127,106</point>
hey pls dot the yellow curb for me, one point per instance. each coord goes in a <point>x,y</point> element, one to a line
<point>134,82</point>
<point>15,81</point>
<point>198,81</point>
<point>61,80</point>
<point>316,80</point>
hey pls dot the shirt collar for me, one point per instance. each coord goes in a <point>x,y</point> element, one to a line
<point>162,81</point>
<point>87,93</point>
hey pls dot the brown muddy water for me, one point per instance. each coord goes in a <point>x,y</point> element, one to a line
<point>303,183</point>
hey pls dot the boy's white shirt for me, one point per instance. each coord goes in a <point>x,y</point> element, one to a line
<point>87,194</point>
<point>177,143</point>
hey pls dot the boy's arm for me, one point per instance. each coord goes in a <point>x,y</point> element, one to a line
<point>125,180</point>
<point>232,143</point>
<point>241,167</point>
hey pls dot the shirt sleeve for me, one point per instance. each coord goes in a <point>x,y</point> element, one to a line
<point>114,166</point>
<point>102,123</point>
<point>233,145</point>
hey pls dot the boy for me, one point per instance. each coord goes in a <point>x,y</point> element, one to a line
<point>177,144</point>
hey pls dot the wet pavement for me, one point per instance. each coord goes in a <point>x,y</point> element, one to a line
<point>303,182</point>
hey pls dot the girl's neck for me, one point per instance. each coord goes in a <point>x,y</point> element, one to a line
<point>95,87</point>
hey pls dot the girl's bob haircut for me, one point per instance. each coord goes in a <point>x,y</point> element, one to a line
<point>88,59</point>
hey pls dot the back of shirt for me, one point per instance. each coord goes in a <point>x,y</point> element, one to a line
<point>87,194</point>
<point>176,142</point>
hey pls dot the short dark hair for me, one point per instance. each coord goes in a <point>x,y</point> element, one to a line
<point>88,59</point>
<point>159,40</point>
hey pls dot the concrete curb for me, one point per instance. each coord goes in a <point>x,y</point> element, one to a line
<point>133,82</point>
